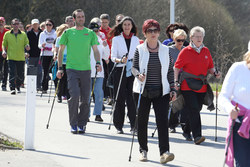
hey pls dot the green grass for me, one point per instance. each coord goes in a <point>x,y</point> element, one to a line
<point>213,86</point>
<point>7,142</point>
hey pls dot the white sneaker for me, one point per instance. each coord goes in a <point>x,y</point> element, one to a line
<point>166,157</point>
<point>143,156</point>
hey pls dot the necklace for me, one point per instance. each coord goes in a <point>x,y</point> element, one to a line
<point>153,48</point>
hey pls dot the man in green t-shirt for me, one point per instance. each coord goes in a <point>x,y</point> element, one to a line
<point>79,41</point>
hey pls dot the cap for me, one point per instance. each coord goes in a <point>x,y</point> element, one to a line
<point>35,21</point>
<point>2,19</point>
<point>94,26</point>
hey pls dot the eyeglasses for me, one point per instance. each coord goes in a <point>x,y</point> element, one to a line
<point>180,40</point>
<point>198,36</point>
<point>48,24</point>
<point>152,31</point>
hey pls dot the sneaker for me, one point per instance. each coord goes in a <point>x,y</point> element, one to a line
<point>13,92</point>
<point>18,90</point>
<point>44,91</point>
<point>172,130</point>
<point>81,129</point>
<point>199,140</point>
<point>59,100</point>
<point>98,118</point>
<point>4,89</point>
<point>132,130</point>
<point>119,131</point>
<point>143,156</point>
<point>74,129</point>
<point>166,157</point>
<point>187,136</point>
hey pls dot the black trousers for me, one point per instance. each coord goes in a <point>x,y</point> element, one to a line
<point>16,69</point>
<point>191,112</point>
<point>108,92</point>
<point>63,85</point>
<point>46,63</point>
<point>125,94</point>
<point>4,70</point>
<point>161,106</point>
<point>241,147</point>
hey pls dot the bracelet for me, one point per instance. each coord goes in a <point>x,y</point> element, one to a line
<point>98,62</point>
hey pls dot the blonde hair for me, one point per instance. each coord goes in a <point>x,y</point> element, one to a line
<point>247,57</point>
<point>61,29</point>
<point>179,32</point>
<point>197,29</point>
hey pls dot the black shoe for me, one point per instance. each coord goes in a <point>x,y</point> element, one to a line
<point>199,140</point>
<point>74,129</point>
<point>13,92</point>
<point>98,118</point>
<point>44,92</point>
<point>119,131</point>
<point>4,89</point>
<point>81,129</point>
<point>187,136</point>
<point>59,100</point>
<point>18,90</point>
<point>172,130</point>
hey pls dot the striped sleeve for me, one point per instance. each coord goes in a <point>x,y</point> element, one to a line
<point>135,68</point>
<point>170,74</point>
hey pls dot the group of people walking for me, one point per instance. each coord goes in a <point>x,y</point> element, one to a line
<point>142,72</point>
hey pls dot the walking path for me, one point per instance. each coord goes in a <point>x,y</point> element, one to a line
<point>98,147</point>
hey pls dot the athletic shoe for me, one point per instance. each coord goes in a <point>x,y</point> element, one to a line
<point>18,90</point>
<point>187,136</point>
<point>143,156</point>
<point>59,100</point>
<point>81,129</point>
<point>13,92</point>
<point>166,157</point>
<point>172,130</point>
<point>199,140</point>
<point>119,131</point>
<point>4,89</point>
<point>98,118</point>
<point>74,129</point>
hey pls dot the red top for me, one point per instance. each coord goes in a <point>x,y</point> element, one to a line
<point>194,63</point>
<point>1,38</point>
<point>106,31</point>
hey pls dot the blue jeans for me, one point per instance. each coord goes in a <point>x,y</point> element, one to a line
<point>98,93</point>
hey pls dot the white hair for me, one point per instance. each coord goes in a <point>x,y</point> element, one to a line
<point>197,29</point>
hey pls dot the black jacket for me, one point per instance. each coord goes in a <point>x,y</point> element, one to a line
<point>33,39</point>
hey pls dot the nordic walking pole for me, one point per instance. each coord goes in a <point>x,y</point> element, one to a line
<point>53,103</point>
<point>117,93</point>
<point>230,135</point>
<point>136,121</point>
<point>93,86</point>
<point>216,107</point>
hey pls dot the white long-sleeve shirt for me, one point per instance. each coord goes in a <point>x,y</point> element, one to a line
<point>48,38</point>
<point>236,87</point>
<point>104,54</point>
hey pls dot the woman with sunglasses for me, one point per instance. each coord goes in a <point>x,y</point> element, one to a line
<point>46,40</point>
<point>153,69</point>
<point>169,32</point>
<point>195,61</point>
<point>179,38</point>
<point>123,48</point>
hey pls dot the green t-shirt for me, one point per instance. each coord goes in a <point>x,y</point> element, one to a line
<point>79,43</point>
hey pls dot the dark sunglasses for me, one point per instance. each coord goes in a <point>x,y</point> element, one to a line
<point>48,24</point>
<point>180,40</point>
<point>152,30</point>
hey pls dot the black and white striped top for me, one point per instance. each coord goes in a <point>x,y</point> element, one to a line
<point>154,69</point>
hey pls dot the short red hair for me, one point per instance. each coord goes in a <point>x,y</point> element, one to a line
<point>150,23</point>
